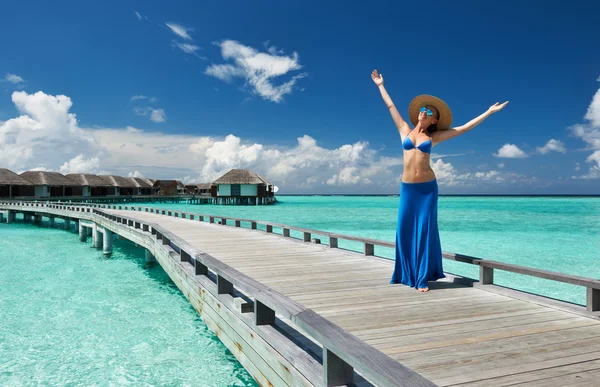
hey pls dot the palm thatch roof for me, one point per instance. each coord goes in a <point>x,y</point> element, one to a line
<point>49,178</point>
<point>164,183</point>
<point>118,181</point>
<point>149,181</point>
<point>88,180</point>
<point>8,177</point>
<point>203,185</point>
<point>139,182</point>
<point>180,184</point>
<point>241,176</point>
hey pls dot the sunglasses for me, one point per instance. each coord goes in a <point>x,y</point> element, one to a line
<point>424,109</point>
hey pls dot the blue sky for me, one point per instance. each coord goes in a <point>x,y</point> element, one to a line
<point>213,76</point>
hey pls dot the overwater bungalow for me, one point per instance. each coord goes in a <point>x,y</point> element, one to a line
<point>180,187</point>
<point>13,185</point>
<point>242,186</point>
<point>143,186</point>
<point>203,188</point>
<point>91,185</point>
<point>122,186</point>
<point>166,187</point>
<point>52,184</point>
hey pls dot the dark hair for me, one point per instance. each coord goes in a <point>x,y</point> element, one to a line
<point>433,127</point>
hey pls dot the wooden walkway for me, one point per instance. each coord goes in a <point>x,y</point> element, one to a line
<point>454,335</point>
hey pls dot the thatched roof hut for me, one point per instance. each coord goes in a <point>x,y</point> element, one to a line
<point>118,181</point>
<point>53,179</point>
<point>149,181</point>
<point>88,180</point>
<point>203,186</point>
<point>139,182</point>
<point>8,177</point>
<point>241,176</point>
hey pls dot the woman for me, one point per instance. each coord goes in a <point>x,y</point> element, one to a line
<point>418,247</point>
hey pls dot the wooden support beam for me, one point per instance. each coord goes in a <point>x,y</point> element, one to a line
<point>486,275</point>
<point>224,286</point>
<point>369,249</point>
<point>336,371</point>
<point>593,300</point>
<point>263,315</point>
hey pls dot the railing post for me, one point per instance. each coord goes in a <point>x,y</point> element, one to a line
<point>486,275</point>
<point>224,286</point>
<point>269,228</point>
<point>185,257</point>
<point>238,223</point>
<point>263,315</point>
<point>191,217</point>
<point>201,268</point>
<point>593,300</point>
<point>211,219</point>
<point>336,371</point>
<point>369,249</point>
<point>333,242</point>
<point>286,232</point>
<point>306,237</point>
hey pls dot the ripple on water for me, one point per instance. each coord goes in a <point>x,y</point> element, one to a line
<point>69,316</point>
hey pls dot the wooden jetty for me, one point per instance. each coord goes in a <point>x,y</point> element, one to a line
<point>299,313</point>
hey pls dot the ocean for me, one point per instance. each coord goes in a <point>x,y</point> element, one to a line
<point>71,316</point>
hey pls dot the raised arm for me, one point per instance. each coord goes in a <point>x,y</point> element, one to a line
<point>402,126</point>
<point>443,135</point>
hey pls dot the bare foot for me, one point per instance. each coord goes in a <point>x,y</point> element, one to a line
<point>423,290</point>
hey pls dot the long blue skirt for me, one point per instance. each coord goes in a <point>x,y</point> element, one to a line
<point>418,247</point>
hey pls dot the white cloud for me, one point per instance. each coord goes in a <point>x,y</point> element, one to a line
<point>510,151</point>
<point>179,30</point>
<point>552,145</point>
<point>79,164</point>
<point>593,112</point>
<point>500,165</point>
<point>45,132</point>
<point>42,169</point>
<point>258,69</point>
<point>577,167</point>
<point>138,97</point>
<point>447,175</point>
<point>188,48</point>
<point>158,115</point>
<point>155,115</point>
<point>13,78</point>
<point>590,134</point>
<point>135,173</point>
<point>137,14</point>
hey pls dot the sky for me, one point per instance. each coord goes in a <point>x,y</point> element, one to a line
<point>190,90</point>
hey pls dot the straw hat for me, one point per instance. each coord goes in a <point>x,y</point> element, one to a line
<point>423,100</point>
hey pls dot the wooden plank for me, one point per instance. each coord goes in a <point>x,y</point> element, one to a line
<point>505,360</point>
<point>527,372</point>
<point>506,344</point>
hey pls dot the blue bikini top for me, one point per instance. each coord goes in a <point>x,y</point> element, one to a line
<point>424,147</point>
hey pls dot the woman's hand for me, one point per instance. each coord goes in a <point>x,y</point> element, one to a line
<point>497,107</point>
<point>377,78</point>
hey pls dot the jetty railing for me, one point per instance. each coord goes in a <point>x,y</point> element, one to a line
<point>342,352</point>
<point>486,267</point>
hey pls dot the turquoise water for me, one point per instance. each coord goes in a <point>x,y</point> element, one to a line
<point>559,234</point>
<point>69,316</point>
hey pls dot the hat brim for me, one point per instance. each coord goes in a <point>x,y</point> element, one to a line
<point>415,105</point>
